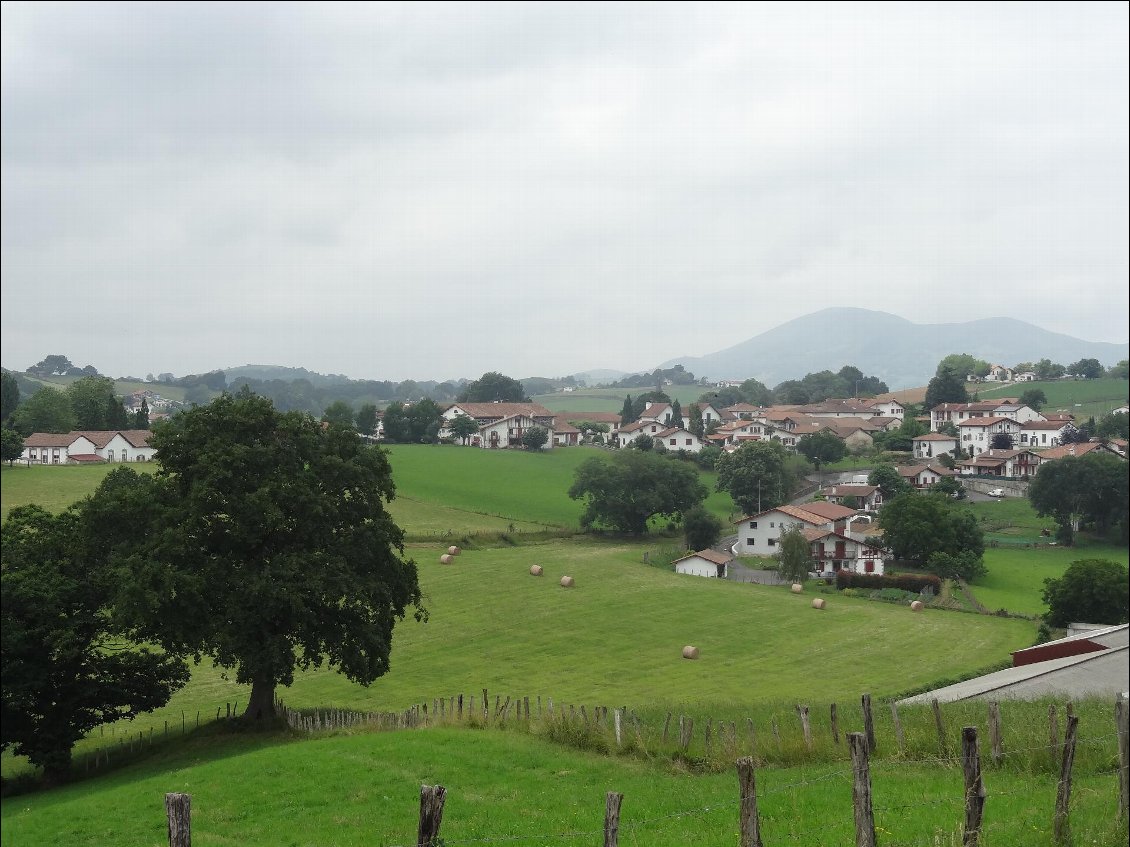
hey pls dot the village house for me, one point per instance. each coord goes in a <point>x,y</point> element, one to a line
<point>500,424</point>
<point>676,438</point>
<point>868,497</point>
<point>1045,433</point>
<point>759,534</point>
<point>923,476</point>
<point>833,552</point>
<point>977,433</point>
<point>933,444</point>
<point>955,413</point>
<point>708,563</point>
<point>1016,464</point>
<point>87,446</point>
<point>1065,450</point>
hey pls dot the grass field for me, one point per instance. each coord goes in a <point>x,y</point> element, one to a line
<point>612,399</point>
<point>1081,397</point>
<point>516,788</point>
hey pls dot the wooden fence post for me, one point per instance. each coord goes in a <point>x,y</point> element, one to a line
<point>616,721</point>
<point>431,814</point>
<point>1061,831</point>
<point>868,723</point>
<point>749,825</point>
<point>974,788</point>
<point>861,791</point>
<point>666,726</point>
<point>1122,722</point>
<point>939,724</point>
<point>805,728</point>
<point>178,810</point>
<point>612,802</point>
<point>995,740</point>
<point>835,724</point>
<point>899,738</point>
<point>1053,733</point>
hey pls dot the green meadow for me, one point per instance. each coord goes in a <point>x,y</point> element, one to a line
<point>612,399</point>
<point>614,639</point>
<point>1083,398</point>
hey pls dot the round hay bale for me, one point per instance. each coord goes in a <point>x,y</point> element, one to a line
<point>917,606</point>
<point>566,582</point>
<point>797,588</point>
<point>690,652</point>
<point>819,603</point>
<point>453,550</point>
<point>446,559</point>
<point>535,570</point>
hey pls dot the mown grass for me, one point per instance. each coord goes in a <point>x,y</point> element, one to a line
<point>1081,397</point>
<point>54,487</point>
<point>616,638</point>
<point>612,399</point>
<point>362,788</point>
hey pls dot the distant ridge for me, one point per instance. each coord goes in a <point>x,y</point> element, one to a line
<point>901,353</point>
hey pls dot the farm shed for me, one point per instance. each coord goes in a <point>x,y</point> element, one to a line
<point>708,563</point>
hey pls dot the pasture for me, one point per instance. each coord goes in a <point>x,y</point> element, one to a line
<point>1083,398</point>
<point>514,786</point>
<point>612,399</point>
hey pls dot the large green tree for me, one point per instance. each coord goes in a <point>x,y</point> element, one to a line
<point>11,444</point>
<point>756,475</point>
<point>463,427</point>
<point>625,490</point>
<point>535,438</point>
<point>948,386</point>
<point>701,529</point>
<point>367,419</point>
<point>264,542</point>
<point>1034,398</point>
<point>67,664</point>
<point>339,413</point>
<point>888,480</point>
<point>1087,368</point>
<point>1078,490</point>
<point>822,448</point>
<point>628,412</point>
<point>1090,591</point>
<point>47,410</point>
<point>492,387</point>
<point>917,525</point>
<point>9,396</point>
<point>91,398</point>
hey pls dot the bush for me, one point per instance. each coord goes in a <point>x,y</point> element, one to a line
<point>916,583</point>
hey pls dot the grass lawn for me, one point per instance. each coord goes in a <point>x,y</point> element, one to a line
<point>509,786</point>
<point>1081,397</point>
<point>612,399</point>
<point>54,487</point>
<point>616,639</point>
<point>1016,575</point>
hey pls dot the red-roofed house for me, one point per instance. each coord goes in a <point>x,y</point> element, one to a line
<point>126,445</point>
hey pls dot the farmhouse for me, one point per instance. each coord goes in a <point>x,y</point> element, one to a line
<point>977,433</point>
<point>933,444</point>
<point>869,497</point>
<point>77,447</point>
<point>500,424</point>
<point>1018,464</point>
<point>1045,433</point>
<point>676,438</point>
<point>837,551</point>
<point>923,476</point>
<point>708,563</point>
<point>955,413</point>
<point>759,534</point>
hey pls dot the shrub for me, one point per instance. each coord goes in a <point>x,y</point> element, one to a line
<point>916,583</point>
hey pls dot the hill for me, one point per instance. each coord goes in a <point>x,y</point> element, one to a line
<point>901,353</point>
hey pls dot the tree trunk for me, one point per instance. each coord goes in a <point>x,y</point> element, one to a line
<point>261,704</point>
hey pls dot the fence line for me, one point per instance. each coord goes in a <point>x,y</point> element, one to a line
<point>973,801</point>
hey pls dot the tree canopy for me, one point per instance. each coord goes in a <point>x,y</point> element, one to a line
<point>794,555</point>
<point>264,542</point>
<point>701,529</point>
<point>628,488</point>
<point>491,387</point>
<point>948,386</point>
<point>47,410</point>
<point>535,438</point>
<point>1079,490</point>
<point>756,476</point>
<point>822,448</point>
<point>1090,591</point>
<point>917,525</point>
<point>66,663</point>
<point>9,396</point>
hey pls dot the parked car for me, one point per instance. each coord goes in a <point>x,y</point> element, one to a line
<point>996,492</point>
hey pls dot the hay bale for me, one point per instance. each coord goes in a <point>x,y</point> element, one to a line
<point>797,588</point>
<point>917,606</point>
<point>446,559</point>
<point>453,550</point>
<point>566,582</point>
<point>535,570</point>
<point>819,603</point>
<point>690,652</point>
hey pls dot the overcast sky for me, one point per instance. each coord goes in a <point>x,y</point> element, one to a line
<point>432,191</point>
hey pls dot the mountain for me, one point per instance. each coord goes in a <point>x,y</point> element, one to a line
<point>901,353</point>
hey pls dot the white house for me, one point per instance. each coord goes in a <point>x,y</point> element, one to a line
<point>1044,433</point>
<point>500,424</point>
<point>127,445</point>
<point>759,534</point>
<point>676,438</point>
<point>1018,464</point>
<point>977,433</point>
<point>869,497</point>
<point>955,413</point>
<point>837,551</point>
<point>998,373</point>
<point>933,444</point>
<point>708,563</point>
<point>923,476</point>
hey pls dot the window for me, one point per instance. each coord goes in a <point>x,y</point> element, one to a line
<point>688,442</point>
<point>772,525</point>
<point>753,524</point>
<point>772,542</point>
<point>751,541</point>
<point>672,442</point>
